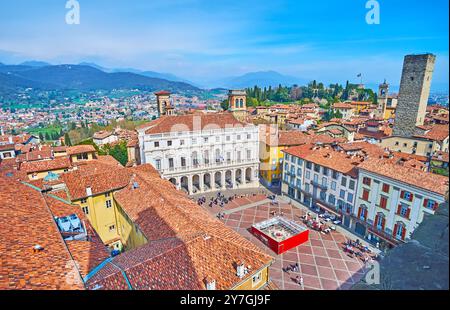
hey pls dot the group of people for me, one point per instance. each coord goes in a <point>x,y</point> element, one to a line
<point>356,248</point>
<point>219,200</point>
<point>220,215</point>
<point>295,268</point>
<point>315,224</point>
<point>275,213</point>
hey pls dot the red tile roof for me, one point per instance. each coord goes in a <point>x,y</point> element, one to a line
<point>102,134</point>
<point>7,147</point>
<point>186,245</point>
<point>80,149</point>
<point>437,133</point>
<point>32,155</point>
<point>193,122</point>
<point>27,222</point>
<point>162,92</point>
<point>100,181</point>
<point>411,176</point>
<point>342,105</point>
<point>326,157</point>
<point>46,165</point>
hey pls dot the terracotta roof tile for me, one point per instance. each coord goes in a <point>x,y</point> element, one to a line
<point>326,157</point>
<point>193,122</point>
<point>46,165</point>
<point>185,243</point>
<point>7,147</point>
<point>79,149</point>
<point>27,222</point>
<point>100,182</point>
<point>437,132</point>
<point>429,181</point>
<point>342,105</point>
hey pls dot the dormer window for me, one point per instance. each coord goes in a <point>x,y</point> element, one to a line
<point>240,269</point>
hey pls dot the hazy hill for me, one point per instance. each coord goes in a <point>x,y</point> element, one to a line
<point>34,63</point>
<point>82,77</point>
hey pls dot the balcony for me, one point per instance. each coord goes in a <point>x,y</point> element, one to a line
<point>212,165</point>
<point>382,234</point>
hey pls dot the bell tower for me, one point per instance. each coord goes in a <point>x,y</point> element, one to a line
<point>165,106</point>
<point>237,104</point>
<point>383,92</point>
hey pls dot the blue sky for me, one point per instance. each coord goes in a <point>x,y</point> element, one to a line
<point>327,40</point>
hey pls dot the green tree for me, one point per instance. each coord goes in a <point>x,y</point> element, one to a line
<point>119,152</point>
<point>67,139</point>
<point>224,104</point>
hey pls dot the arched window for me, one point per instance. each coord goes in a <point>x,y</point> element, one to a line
<point>206,157</point>
<point>236,103</point>
<point>218,156</point>
<point>241,103</point>
<point>194,159</point>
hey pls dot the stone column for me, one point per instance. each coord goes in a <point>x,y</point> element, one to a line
<point>201,184</point>
<point>224,182</point>
<point>190,185</point>
<point>233,178</point>
<point>178,183</point>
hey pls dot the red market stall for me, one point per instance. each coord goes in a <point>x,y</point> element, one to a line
<point>280,234</point>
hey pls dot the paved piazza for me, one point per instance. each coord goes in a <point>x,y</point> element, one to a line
<point>322,262</point>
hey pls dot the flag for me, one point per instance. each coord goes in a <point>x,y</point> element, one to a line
<point>359,75</point>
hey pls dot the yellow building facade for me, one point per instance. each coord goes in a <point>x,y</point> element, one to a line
<point>82,157</point>
<point>257,281</point>
<point>101,210</point>
<point>271,163</point>
<point>111,222</point>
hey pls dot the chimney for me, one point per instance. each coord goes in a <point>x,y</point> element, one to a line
<point>37,248</point>
<point>88,191</point>
<point>210,284</point>
<point>240,269</point>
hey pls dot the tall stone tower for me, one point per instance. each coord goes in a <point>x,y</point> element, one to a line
<point>383,92</point>
<point>165,106</point>
<point>414,91</point>
<point>237,104</point>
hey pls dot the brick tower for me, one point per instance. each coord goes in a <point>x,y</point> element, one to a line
<point>414,91</point>
<point>237,104</point>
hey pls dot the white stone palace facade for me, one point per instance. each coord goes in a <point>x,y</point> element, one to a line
<point>202,152</point>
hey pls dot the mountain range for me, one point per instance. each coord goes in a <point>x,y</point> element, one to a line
<point>82,78</point>
<point>88,75</point>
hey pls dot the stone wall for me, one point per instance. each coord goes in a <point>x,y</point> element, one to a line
<point>414,91</point>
